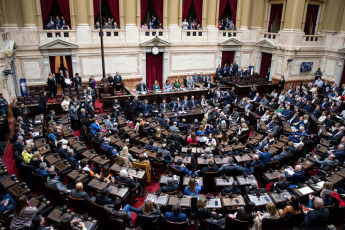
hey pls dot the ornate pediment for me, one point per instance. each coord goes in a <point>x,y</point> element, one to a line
<point>58,44</point>
<point>342,50</point>
<point>156,41</point>
<point>231,42</point>
<point>267,43</point>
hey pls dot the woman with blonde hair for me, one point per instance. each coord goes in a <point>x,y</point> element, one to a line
<point>149,208</point>
<point>271,213</point>
<point>65,104</point>
<point>125,154</point>
<point>204,120</point>
<point>158,135</point>
<point>204,213</point>
<point>224,138</point>
<point>27,154</point>
<point>36,159</point>
<point>266,116</point>
<point>156,86</point>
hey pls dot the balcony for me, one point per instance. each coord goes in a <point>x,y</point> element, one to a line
<point>312,40</point>
<point>226,34</point>
<point>50,35</point>
<point>109,36</point>
<point>148,34</point>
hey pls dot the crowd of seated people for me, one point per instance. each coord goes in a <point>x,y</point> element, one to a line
<point>193,25</point>
<point>226,124</point>
<point>57,23</point>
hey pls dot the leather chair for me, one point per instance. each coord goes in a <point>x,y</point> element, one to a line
<point>177,172</point>
<point>151,222</point>
<point>168,225</point>
<point>54,196</point>
<point>258,172</point>
<point>39,182</point>
<point>294,220</point>
<point>157,169</point>
<point>272,224</point>
<point>271,165</point>
<point>95,146</point>
<point>209,182</point>
<point>80,206</point>
<point>112,223</point>
<point>98,213</point>
<point>231,223</point>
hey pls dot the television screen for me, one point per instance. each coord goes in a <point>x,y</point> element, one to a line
<point>306,66</point>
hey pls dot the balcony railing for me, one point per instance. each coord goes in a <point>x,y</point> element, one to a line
<point>312,40</point>
<point>194,35</point>
<point>272,36</point>
<point>109,35</point>
<point>146,34</point>
<point>49,35</point>
<point>226,34</point>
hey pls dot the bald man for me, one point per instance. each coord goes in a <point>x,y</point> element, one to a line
<point>79,193</point>
<point>298,175</point>
<point>256,161</point>
<point>316,218</point>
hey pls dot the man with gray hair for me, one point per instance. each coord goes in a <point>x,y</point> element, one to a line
<point>141,87</point>
<point>19,144</point>
<point>316,218</point>
<point>106,146</point>
<point>229,168</point>
<point>174,127</point>
<point>43,171</point>
<point>109,125</point>
<point>127,178</point>
<point>327,163</point>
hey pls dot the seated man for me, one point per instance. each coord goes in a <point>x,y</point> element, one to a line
<point>43,171</point>
<point>227,168</point>
<point>53,181</point>
<point>281,156</point>
<point>246,169</point>
<point>176,216</point>
<point>234,189</point>
<point>106,146</point>
<point>79,193</point>
<point>253,188</point>
<point>102,197</point>
<point>296,137</point>
<point>211,167</point>
<point>7,203</point>
<point>141,87</point>
<point>180,166</point>
<point>265,156</point>
<point>172,185</point>
<point>297,176</point>
<point>127,178</point>
<point>287,113</point>
<point>256,161</point>
<point>114,211</point>
<point>316,218</point>
<point>328,162</point>
<point>70,158</point>
<point>338,153</point>
<point>19,144</point>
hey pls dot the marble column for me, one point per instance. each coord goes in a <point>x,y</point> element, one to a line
<point>38,13</point>
<point>165,13</point>
<point>294,14</point>
<point>11,18</point>
<point>245,13</point>
<point>122,13</point>
<point>90,13</point>
<point>204,12</point>
<point>130,12</point>
<point>173,12</point>
<point>82,21</point>
<point>211,13</point>
<point>342,24</point>
<point>28,7</point>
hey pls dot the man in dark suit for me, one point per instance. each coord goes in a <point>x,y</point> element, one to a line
<point>172,185</point>
<point>102,197</point>
<point>141,87</point>
<point>110,79</point>
<point>117,81</point>
<point>77,80</point>
<point>316,112</point>
<point>298,176</point>
<point>282,155</point>
<point>176,216</point>
<point>325,103</point>
<point>192,103</point>
<point>235,69</point>
<point>79,193</point>
<point>173,105</point>
<point>43,103</point>
<point>211,167</point>
<point>163,106</point>
<point>135,107</point>
<point>154,22</point>
<point>114,211</point>
<point>267,75</point>
<point>91,109</point>
<point>126,178</point>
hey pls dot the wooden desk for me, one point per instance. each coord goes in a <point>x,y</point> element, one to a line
<point>279,198</point>
<point>243,158</point>
<point>284,139</point>
<point>261,200</point>
<point>185,160</point>
<point>89,154</point>
<point>77,176</point>
<point>253,141</point>
<point>161,200</point>
<point>97,184</point>
<point>335,178</point>
<point>214,203</point>
<point>305,191</point>
<point>258,136</point>
<point>273,150</point>
<point>117,191</point>
<point>198,179</point>
<point>245,181</point>
<point>272,176</point>
<point>42,206</point>
<point>239,146</point>
<point>220,182</point>
<point>279,145</point>
<point>52,159</point>
<point>317,186</point>
<point>56,216</point>
<point>184,201</point>
<point>100,161</point>
<point>62,167</point>
<point>221,161</point>
<point>202,161</point>
<point>235,202</point>
<point>341,172</point>
<point>116,168</point>
<point>164,179</point>
<point>17,190</point>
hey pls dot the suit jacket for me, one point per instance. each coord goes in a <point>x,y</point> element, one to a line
<point>103,200</point>
<point>139,87</point>
<point>166,188</point>
<point>118,79</point>
<point>325,104</point>
<point>110,79</point>
<point>173,105</point>
<point>43,102</point>
<point>170,216</point>
<point>80,195</point>
<point>57,184</point>
<point>126,180</point>
<point>297,177</point>
<point>162,106</point>
<point>111,212</point>
<point>77,81</point>
<point>281,156</point>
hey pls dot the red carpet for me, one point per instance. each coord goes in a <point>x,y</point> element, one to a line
<point>9,161</point>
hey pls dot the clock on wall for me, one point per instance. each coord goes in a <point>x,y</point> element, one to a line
<point>155,50</point>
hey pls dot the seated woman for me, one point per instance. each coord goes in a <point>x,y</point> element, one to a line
<point>192,139</point>
<point>271,213</point>
<point>224,138</point>
<point>177,84</point>
<point>142,160</point>
<point>106,174</point>
<point>125,154</point>
<point>27,154</point>
<point>266,116</point>
<point>176,216</point>
<point>211,142</point>
<point>156,86</point>
<point>204,213</point>
<point>158,135</point>
<point>167,85</point>
<point>95,126</point>
<point>201,131</point>
<point>36,159</point>
<point>148,213</point>
<point>323,117</point>
<point>245,213</point>
<point>292,207</point>
<point>193,188</point>
<point>23,214</point>
<point>280,109</point>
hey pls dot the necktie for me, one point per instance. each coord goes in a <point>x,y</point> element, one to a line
<point>142,88</point>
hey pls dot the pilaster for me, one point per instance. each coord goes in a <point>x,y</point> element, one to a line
<point>29,13</point>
